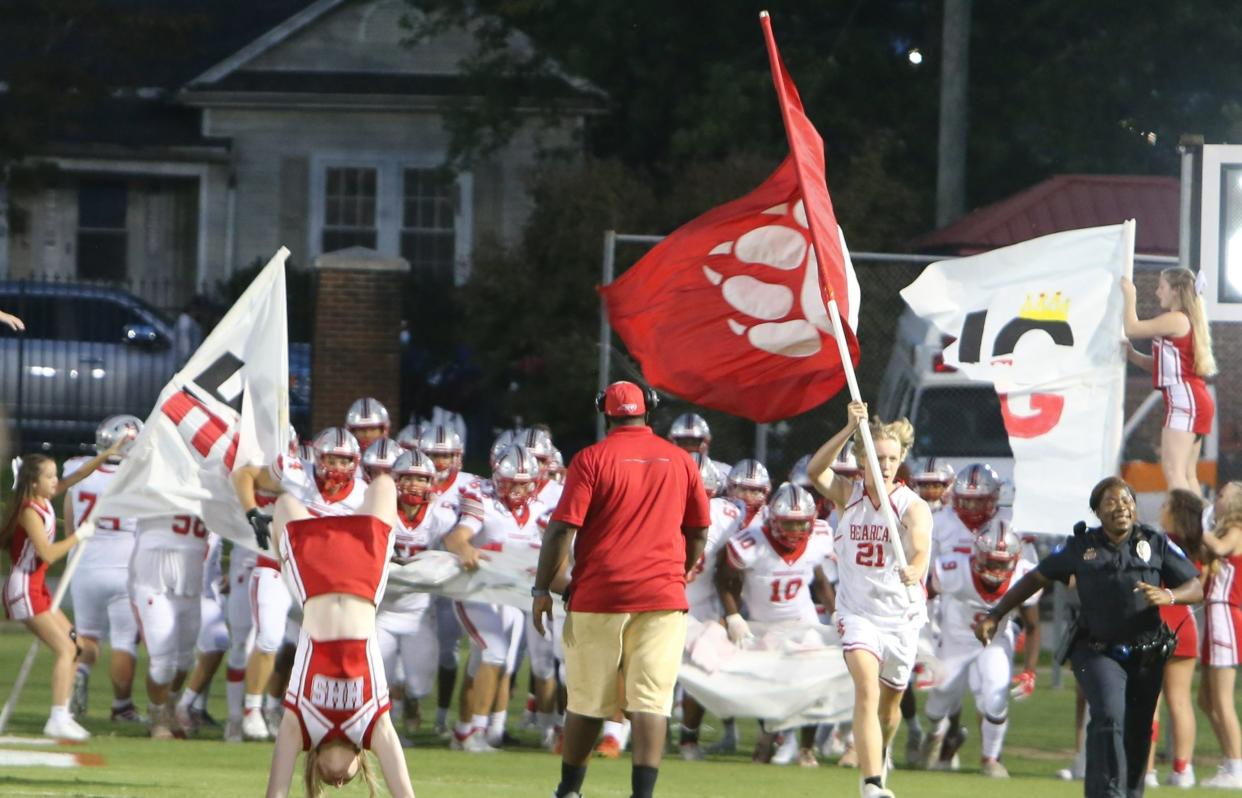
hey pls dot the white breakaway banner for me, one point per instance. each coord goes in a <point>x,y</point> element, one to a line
<point>1041,321</point>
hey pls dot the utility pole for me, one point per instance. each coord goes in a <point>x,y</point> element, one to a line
<point>954,112</point>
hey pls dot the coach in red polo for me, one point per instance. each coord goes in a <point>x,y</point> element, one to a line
<point>635,508</point>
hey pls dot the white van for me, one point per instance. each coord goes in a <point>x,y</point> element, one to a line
<point>955,419</point>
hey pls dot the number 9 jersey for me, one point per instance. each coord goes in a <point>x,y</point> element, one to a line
<point>868,583</point>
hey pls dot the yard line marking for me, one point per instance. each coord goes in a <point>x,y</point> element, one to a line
<point>51,759</point>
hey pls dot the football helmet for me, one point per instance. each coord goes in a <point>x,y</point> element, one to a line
<point>407,438</point>
<point>791,515</point>
<point>514,475</point>
<point>366,413</point>
<point>751,476</point>
<point>113,428</point>
<point>708,472</point>
<point>438,441</point>
<point>556,466</point>
<point>933,470</point>
<point>503,441</point>
<point>691,427</point>
<point>846,463</point>
<point>306,451</point>
<point>336,442</point>
<point>799,476</point>
<point>380,456</point>
<point>538,441</point>
<point>294,443</point>
<point>976,495</point>
<point>993,557</point>
<point>414,463</point>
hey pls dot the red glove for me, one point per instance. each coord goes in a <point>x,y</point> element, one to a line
<point>1023,686</point>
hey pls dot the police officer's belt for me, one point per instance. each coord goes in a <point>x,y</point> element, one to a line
<point>1150,650</point>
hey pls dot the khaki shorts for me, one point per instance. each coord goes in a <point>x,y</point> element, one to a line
<point>644,647</point>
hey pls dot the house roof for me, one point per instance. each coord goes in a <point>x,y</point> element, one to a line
<point>1068,202</point>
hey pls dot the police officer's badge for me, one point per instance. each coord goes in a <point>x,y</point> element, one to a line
<point>1143,549</point>
<point>1089,554</point>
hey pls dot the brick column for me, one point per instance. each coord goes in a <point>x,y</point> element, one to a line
<point>356,350</point>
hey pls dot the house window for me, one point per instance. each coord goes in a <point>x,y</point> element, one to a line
<point>349,208</point>
<point>102,236</point>
<point>428,232</point>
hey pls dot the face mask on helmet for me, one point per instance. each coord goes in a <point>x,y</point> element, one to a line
<point>790,532</point>
<point>117,428</point>
<point>413,489</point>
<point>995,562</point>
<point>335,470</point>
<point>514,492</point>
<point>975,511</point>
<point>931,492</point>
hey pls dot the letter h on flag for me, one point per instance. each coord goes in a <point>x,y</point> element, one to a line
<point>730,310</point>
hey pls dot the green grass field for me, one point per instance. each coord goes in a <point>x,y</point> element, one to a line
<point>1040,735</point>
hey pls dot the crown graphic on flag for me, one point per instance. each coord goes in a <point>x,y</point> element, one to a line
<point>1046,308</point>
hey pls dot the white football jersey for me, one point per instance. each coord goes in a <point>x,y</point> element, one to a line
<point>964,600</point>
<point>114,537</point>
<point>701,593</point>
<point>550,493</point>
<point>461,482</point>
<point>300,483</point>
<point>495,526</point>
<point>867,579</point>
<point>185,533</point>
<point>411,536</point>
<point>775,586</point>
<point>951,536</point>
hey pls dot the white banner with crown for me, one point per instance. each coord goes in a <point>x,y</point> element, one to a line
<point>1041,321</point>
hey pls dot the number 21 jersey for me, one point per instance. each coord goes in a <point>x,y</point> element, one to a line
<point>868,583</point>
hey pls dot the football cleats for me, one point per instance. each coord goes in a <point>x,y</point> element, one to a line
<point>380,456</point>
<point>791,514</point>
<point>414,473</point>
<point>749,483</point>
<point>708,472</point>
<point>114,428</point>
<point>514,475</point>
<point>691,430</point>
<point>335,442</point>
<point>976,495</point>
<point>994,556</point>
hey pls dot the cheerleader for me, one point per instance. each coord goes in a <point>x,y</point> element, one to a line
<point>1180,359</point>
<point>337,701</point>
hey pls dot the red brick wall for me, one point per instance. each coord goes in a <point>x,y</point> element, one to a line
<point>356,349</point>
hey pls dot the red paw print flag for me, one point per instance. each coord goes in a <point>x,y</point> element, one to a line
<point>731,310</point>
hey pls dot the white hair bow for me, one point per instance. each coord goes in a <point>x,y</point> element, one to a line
<point>1200,282</point>
<point>16,465</point>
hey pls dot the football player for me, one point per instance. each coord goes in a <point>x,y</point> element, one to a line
<point>691,432</point>
<point>970,585</point>
<point>748,484</point>
<point>367,421</point>
<point>98,590</point>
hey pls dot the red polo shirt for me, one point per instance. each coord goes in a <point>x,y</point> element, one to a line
<point>629,496</point>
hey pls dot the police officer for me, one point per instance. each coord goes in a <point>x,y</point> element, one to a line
<point>1124,572</point>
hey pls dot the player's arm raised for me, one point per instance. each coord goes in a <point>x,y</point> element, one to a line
<point>833,486</point>
<point>90,465</point>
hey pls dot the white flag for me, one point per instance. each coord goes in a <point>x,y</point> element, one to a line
<point>228,406</point>
<point>503,577</point>
<point>1041,321</point>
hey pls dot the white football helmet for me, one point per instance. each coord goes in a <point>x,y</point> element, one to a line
<point>691,429</point>
<point>846,463</point>
<point>440,440</point>
<point>514,475</point>
<point>752,475</point>
<point>367,413</point>
<point>995,555</point>
<point>407,438</point>
<point>791,514</point>
<point>503,441</point>
<point>976,495</point>
<point>380,456</point>
<point>336,442</point>
<point>114,428</point>
<point>708,473</point>
<point>933,470</point>
<point>414,463</point>
<point>798,474</point>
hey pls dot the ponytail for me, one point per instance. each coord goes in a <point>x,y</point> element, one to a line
<point>1182,281</point>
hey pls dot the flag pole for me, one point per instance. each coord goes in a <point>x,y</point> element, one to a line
<point>834,313</point>
<point>873,463</point>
